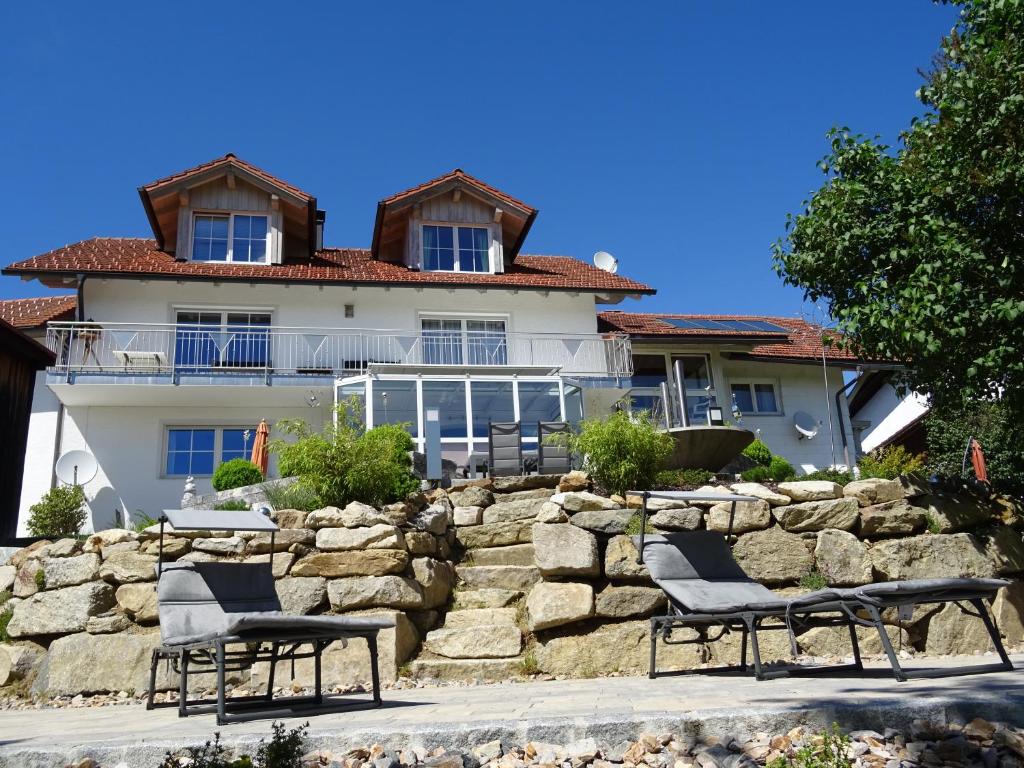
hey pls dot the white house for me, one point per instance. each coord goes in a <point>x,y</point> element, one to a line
<point>172,349</point>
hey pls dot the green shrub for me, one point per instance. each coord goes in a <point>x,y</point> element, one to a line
<point>633,526</point>
<point>992,424</point>
<point>756,474</point>
<point>236,473</point>
<point>890,463</point>
<point>285,748</point>
<point>292,496</point>
<point>759,453</point>
<point>344,463</point>
<point>682,478</point>
<point>61,512</point>
<point>840,476</point>
<point>142,521</point>
<point>831,750</point>
<point>780,469</point>
<point>621,453</point>
<point>232,505</point>
<point>5,618</point>
<point>39,577</point>
<point>812,580</point>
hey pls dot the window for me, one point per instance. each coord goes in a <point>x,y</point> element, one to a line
<point>756,397</point>
<point>455,249</point>
<point>229,237</point>
<point>463,341</point>
<point>199,450</point>
<point>221,339</point>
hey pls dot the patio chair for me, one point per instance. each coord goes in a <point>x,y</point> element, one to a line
<point>504,448</point>
<point>552,455</point>
<point>706,588</point>
<point>222,617</point>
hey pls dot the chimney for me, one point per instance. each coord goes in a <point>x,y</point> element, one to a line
<point>321,217</point>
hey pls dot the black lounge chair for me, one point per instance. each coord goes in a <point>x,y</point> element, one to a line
<point>553,454</point>
<point>707,589</point>
<point>222,617</point>
<point>505,448</point>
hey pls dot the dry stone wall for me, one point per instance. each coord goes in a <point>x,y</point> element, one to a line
<point>509,576</point>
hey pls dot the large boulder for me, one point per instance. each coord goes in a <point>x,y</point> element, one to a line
<point>355,515</point>
<point>436,518</point>
<point>482,641</point>
<point>485,598</point>
<point>891,518</point>
<point>84,663</point>
<point>874,490</point>
<point>19,660</point>
<point>619,647</point>
<point>953,631</point>
<point>582,501</point>
<point>835,641</point>
<point>750,516</point>
<point>109,623</point>
<point>574,481</point>
<point>773,556</point>
<point>950,512</point>
<point>842,558</point>
<point>811,490</point>
<point>102,539</point>
<point>495,534</point>
<point>60,611</point>
<point>35,550</point>
<point>436,577</point>
<point>472,496</point>
<point>710,490</point>
<point>515,554</point>
<point>552,513</point>
<point>369,562</point>
<point>513,577</point>
<point>283,539</point>
<point>818,515</point>
<point>930,556</point>
<point>229,545</point>
<point>1007,551</point>
<point>374,537</point>
<point>280,566</point>
<point>563,549</point>
<point>1008,610</point>
<point>628,601</point>
<point>513,483</point>
<point>620,561</point>
<point>468,515</point>
<point>139,602</point>
<point>675,519</point>
<point>290,518</point>
<point>774,498</point>
<point>611,521</point>
<point>552,604</point>
<point>64,548</point>
<point>301,594</point>
<point>61,572</point>
<point>7,574</point>
<point>374,592</point>
<point>517,509</point>
<point>28,578</point>
<point>128,567</point>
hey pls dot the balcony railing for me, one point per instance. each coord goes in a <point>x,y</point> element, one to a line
<point>183,349</point>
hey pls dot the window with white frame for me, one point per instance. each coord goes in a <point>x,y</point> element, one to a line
<point>456,249</point>
<point>213,338</point>
<point>463,341</point>
<point>757,396</point>
<point>235,237</point>
<point>198,451</point>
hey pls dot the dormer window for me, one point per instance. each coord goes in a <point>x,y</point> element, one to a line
<point>235,237</point>
<point>456,249</point>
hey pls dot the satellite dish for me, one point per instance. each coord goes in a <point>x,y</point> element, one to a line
<point>805,424</point>
<point>607,262</point>
<point>76,467</point>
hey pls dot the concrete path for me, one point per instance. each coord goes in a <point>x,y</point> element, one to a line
<point>610,710</point>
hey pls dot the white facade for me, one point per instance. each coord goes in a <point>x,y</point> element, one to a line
<point>888,413</point>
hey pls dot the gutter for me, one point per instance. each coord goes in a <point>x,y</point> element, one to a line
<point>147,203</point>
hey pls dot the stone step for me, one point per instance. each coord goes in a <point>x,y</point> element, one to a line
<point>472,617</point>
<point>483,670</point>
<point>486,598</point>
<point>514,577</point>
<point>516,554</point>
<point>482,641</point>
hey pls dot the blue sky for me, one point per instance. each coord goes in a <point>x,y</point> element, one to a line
<point>675,135</point>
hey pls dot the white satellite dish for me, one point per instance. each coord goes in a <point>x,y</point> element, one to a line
<point>805,424</point>
<point>76,467</point>
<point>607,262</point>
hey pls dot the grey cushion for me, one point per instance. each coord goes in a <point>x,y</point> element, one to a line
<point>922,590</point>
<point>690,555</point>
<point>722,596</point>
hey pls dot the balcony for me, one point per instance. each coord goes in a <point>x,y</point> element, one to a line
<point>182,353</point>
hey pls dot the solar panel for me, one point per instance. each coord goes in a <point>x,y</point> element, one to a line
<point>740,326</point>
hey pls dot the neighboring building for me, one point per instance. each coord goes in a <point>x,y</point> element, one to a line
<point>882,416</point>
<point>235,312</point>
<point>761,370</point>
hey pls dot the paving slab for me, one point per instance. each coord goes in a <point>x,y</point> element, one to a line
<point>560,711</point>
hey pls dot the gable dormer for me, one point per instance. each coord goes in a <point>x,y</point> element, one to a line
<point>454,223</point>
<point>230,211</point>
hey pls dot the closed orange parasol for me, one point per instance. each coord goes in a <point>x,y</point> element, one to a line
<point>978,461</point>
<point>260,450</point>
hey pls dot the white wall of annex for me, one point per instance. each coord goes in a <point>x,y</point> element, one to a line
<point>39,449</point>
<point>889,413</point>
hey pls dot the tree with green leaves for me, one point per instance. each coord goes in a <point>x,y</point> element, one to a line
<point>918,249</point>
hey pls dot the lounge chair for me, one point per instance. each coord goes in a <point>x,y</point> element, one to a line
<point>552,455</point>
<point>206,607</point>
<point>505,448</point>
<point>707,588</point>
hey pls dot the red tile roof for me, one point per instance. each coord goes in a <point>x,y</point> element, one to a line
<point>37,312</point>
<point>228,159</point>
<point>140,257</point>
<point>803,340</point>
<point>458,173</point>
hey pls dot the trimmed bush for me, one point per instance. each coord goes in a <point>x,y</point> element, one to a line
<point>61,512</point>
<point>683,478</point>
<point>759,453</point>
<point>232,505</point>
<point>835,475</point>
<point>890,463</point>
<point>236,473</point>
<point>779,469</point>
<point>621,452</point>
